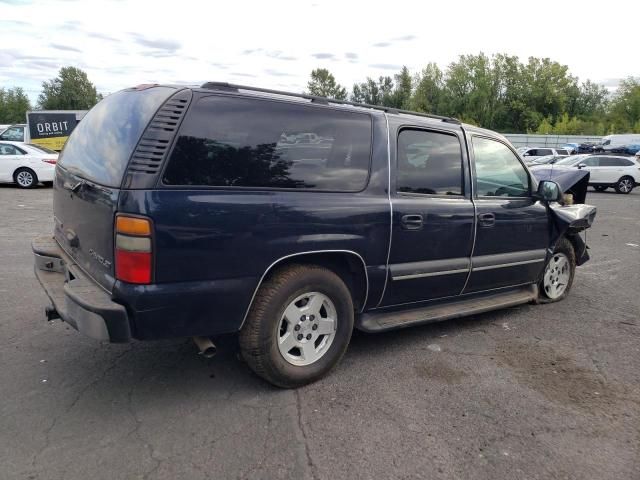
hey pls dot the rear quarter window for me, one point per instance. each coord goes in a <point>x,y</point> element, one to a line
<point>99,148</point>
<point>247,142</point>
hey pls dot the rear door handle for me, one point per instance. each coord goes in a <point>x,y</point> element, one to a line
<point>411,222</point>
<point>487,219</point>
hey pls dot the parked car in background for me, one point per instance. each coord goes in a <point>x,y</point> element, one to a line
<point>199,220</point>
<point>14,133</point>
<point>611,142</point>
<point>531,153</point>
<point>586,147</point>
<point>607,171</point>
<point>630,149</point>
<point>4,127</point>
<point>26,164</point>
<point>572,148</point>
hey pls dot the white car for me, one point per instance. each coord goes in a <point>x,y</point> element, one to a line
<point>14,133</point>
<point>529,154</point>
<point>26,164</point>
<point>621,173</point>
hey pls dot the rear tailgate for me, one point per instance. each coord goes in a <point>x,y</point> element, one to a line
<point>89,176</point>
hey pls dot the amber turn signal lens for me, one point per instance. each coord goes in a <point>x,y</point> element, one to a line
<point>133,226</point>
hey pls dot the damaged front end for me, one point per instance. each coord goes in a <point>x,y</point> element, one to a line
<point>572,215</point>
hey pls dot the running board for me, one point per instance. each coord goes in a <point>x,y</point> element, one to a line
<point>379,321</point>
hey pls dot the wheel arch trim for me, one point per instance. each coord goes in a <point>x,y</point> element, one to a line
<point>310,252</point>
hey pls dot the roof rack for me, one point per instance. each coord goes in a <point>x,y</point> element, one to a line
<point>323,100</point>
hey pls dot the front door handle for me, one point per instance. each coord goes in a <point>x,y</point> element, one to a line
<point>487,219</point>
<point>411,222</point>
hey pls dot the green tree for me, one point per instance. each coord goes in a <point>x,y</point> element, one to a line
<point>14,105</point>
<point>323,84</point>
<point>429,94</point>
<point>70,90</point>
<point>373,92</point>
<point>403,89</point>
<point>625,106</point>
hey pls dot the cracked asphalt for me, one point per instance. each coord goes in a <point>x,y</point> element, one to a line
<point>535,392</point>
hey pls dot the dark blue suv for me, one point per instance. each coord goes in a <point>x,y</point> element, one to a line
<point>290,220</point>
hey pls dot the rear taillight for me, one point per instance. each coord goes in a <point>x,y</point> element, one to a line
<point>52,161</point>
<point>134,249</point>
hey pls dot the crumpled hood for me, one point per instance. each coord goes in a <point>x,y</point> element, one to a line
<point>570,180</point>
<point>569,220</point>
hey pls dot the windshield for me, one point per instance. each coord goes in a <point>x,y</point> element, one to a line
<point>570,160</point>
<point>41,148</point>
<point>100,146</point>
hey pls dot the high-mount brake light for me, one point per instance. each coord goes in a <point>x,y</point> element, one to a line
<point>134,249</point>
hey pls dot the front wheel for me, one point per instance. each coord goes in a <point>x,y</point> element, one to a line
<point>625,185</point>
<point>299,326</point>
<point>558,273</point>
<point>25,178</point>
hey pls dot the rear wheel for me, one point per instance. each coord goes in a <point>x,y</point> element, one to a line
<point>25,178</point>
<point>600,188</point>
<point>625,185</point>
<point>299,326</point>
<point>558,273</point>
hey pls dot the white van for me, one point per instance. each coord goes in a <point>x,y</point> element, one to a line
<point>613,141</point>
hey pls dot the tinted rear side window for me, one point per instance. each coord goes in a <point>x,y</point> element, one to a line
<point>99,148</point>
<point>615,162</point>
<point>243,142</point>
<point>429,163</point>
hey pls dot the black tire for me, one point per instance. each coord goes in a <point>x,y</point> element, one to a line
<point>625,185</point>
<point>600,188</point>
<point>260,333</point>
<point>25,173</point>
<point>565,247</point>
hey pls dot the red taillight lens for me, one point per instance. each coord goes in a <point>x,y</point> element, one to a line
<point>134,255</point>
<point>133,267</point>
<point>52,161</point>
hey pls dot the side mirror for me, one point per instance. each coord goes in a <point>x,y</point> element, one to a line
<point>526,154</point>
<point>581,165</point>
<point>549,191</point>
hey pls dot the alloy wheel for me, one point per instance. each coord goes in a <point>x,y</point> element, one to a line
<point>307,328</point>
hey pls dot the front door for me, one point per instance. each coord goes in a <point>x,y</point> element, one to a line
<point>513,227</point>
<point>432,227</point>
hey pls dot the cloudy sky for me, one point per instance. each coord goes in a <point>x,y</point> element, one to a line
<point>277,43</point>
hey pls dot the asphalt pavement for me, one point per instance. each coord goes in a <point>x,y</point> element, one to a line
<point>531,392</point>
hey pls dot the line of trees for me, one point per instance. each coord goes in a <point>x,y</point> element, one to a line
<point>70,90</point>
<point>500,93</point>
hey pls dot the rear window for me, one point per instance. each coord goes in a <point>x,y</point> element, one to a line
<point>99,148</point>
<point>242,142</point>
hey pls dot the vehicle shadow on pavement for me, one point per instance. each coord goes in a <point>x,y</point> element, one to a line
<point>174,369</point>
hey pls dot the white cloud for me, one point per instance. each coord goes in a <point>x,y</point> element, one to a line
<point>124,43</point>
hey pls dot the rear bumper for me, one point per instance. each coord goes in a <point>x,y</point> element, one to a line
<point>46,175</point>
<point>77,299</point>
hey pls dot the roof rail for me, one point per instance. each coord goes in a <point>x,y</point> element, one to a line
<point>323,100</point>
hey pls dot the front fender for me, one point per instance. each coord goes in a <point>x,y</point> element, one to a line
<point>569,220</point>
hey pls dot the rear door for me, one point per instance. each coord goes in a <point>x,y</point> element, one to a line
<point>433,221</point>
<point>89,174</point>
<point>613,168</point>
<point>512,232</point>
